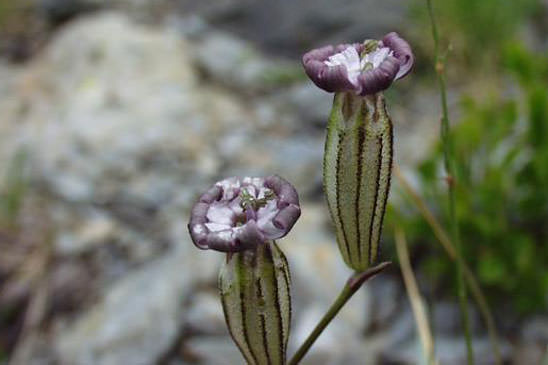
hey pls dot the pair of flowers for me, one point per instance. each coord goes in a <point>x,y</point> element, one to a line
<point>244,216</point>
<point>239,214</point>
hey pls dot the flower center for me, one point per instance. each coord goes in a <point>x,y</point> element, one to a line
<point>371,57</point>
<point>374,58</point>
<point>350,59</point>
<point>249,201</point>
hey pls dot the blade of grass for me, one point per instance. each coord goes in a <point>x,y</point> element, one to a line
<point>449,162</point>
<point>445,241</point>
<point>417,304</point>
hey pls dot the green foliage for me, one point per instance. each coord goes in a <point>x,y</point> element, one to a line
<point>11,9</point>
<point>13,190</point>
<point>477,28</point>
<point>501,152</point>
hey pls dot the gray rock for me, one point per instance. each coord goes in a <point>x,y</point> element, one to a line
<point>135,322</point>
<point>536,329</point>
<point>213,350</point>
<point>342,342</point>
<point>119,119</point>
<point>447,319</point>
<point>139,316</point>
<point>530,353</point>
<point>400,328</point>
<point>72,286</point>
<point>385,301</point>
<point>449,350</point>
<point>57,11</point>
<point>310,103</point>
<point>77,236</point>
<point>240,66</point>
<point>285,26</point>
<point>416,121</point>
<point>62,10</point>
<point>110,103</point>
<point>205,314</point>
<point>452,350</point>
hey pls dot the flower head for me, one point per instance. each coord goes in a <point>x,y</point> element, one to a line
<point>237,214</point>
<point>365,68</point>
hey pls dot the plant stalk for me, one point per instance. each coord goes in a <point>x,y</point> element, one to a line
<point>351,287</point>
<point>451,177</point>
<point>417,304</point>
<point>448,246</point>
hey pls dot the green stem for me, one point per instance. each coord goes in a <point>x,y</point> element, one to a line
<point>447,244</point>
<point>451,175</point>
<point>351,287</point>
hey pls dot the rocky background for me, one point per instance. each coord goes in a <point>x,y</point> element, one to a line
<point>116,114</point>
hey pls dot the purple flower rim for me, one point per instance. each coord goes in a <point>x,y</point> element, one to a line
<point>347,67</point>
<point>237,214</point>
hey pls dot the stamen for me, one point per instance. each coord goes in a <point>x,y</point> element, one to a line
<point>367,66</point>
<point>369,45</point>
<point>248,201</point>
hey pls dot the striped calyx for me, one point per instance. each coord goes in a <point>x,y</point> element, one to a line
<point>357,171</point>
<point>255,293</point>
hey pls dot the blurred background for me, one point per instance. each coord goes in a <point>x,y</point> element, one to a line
<point>115,114</point>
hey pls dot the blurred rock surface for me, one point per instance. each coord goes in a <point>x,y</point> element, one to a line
<point>136,320</point>
<point>289,27</point>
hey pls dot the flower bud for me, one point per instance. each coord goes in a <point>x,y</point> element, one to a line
<point>357,171</point>
<point>255,293</point>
